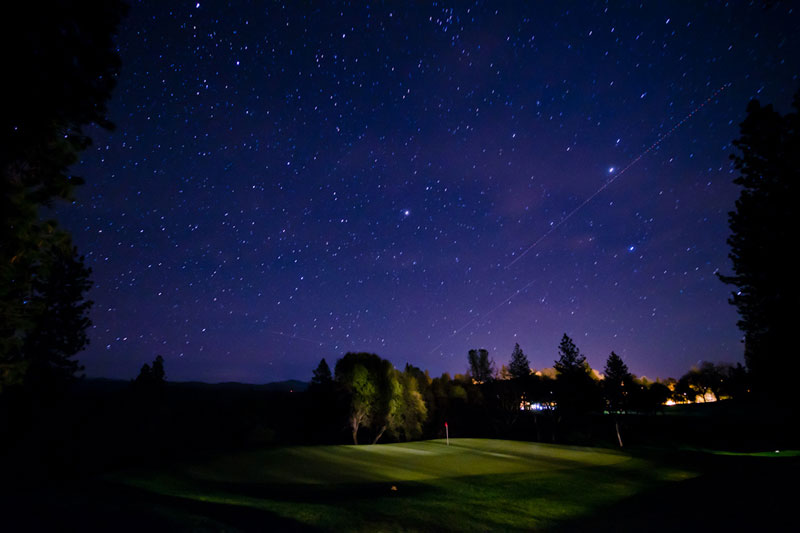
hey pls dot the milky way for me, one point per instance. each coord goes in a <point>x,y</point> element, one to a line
<point>288,183</point>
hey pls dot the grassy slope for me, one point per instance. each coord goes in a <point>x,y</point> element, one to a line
<point>472,485</point>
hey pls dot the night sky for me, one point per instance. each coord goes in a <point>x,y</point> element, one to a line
<point>288,183</point>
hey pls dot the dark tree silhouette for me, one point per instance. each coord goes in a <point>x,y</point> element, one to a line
<point>617,378</point>
<point>617,382</point>
<point>158,370</point>
<point>737,384</point>
<point>683,391</point>
<point>145,375</point>
<point>64,65</point>
<point>720,380</point>
<point>481,368</point>
<point>571,361</point>
<point>649,398</point>
<point>576,391</point>
<point>52,342</point>
<point>519,366</point>
<point>763,230</point>
<point>151,377</point>
<point>322,375</point>
<point>325,406</point>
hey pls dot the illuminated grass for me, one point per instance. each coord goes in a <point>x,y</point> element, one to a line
<point>473,484</point>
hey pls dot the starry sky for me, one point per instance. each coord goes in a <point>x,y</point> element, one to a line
<point>293,181</point>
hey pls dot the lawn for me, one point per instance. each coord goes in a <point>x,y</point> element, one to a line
<point>470,485</point>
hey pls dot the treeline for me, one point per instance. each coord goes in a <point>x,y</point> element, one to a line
<point>371,400</point>
<point>97,425</point>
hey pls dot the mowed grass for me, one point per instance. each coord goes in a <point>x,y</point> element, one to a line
<point>470,485</point>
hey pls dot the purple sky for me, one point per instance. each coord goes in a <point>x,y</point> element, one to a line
<point>289,183</point>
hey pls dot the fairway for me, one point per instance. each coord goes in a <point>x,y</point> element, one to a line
<point>470,485</point>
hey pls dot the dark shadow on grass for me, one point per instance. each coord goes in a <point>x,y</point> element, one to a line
<point>105,506</point>
<point>734,494</point>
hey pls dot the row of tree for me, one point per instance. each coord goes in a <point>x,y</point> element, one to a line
<point>709,381</point>
<point>379,398</point>
<point>370,397</point>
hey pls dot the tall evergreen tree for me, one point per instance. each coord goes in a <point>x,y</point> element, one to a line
<point>64,65</point>
<point>519,367</point>
<point>570,360</point>
<point>60,333</point>
<point>322,374</point>
<point>326,406</point>
<point>763,230</point>
<point>617,378</point>
<point>576,391</point>
<point>616,385</point>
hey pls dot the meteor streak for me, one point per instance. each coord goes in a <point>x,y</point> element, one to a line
<point>618,174</point>
<point>579,207</point>
<point>492,310</point>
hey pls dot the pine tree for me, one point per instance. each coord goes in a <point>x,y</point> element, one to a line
<point>570,361</point>
<point>64,65</point>
<point>576,390</point>
<point>519,367</point>
<point>59,313</point>
<point>322,374</point>
<point>617,378</point>
<point>764,231</point>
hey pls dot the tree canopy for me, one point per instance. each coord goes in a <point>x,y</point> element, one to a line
<point>481,368</point>
<point>762,232</point>
<point>370,384</point>
<point>64,66</point>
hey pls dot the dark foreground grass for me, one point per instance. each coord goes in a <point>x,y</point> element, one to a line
<point>471,485</point>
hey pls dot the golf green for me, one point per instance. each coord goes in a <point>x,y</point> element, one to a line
<point>468,485</point>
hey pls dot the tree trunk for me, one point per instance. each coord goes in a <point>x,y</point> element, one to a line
<point>354,427</point>
<point>379,435</point>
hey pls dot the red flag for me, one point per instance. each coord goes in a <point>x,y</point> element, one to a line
<point>445,424</point>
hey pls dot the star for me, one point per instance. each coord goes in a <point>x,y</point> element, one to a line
<point>272,174</point>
